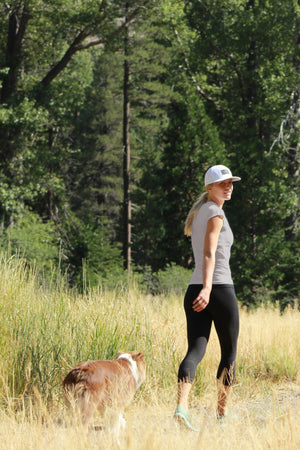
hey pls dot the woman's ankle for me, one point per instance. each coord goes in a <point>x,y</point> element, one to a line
<point>183,394</point>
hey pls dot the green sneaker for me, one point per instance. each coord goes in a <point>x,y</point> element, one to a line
<point>183,417</point>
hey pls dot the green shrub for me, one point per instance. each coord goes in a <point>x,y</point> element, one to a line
<point>173,279</point>
<point>35,240</point>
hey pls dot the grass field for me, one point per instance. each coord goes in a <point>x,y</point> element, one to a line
<point>45,330</point>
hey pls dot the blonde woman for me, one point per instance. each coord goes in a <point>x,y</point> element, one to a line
<point>210,296</point>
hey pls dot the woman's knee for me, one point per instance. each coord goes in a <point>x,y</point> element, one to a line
<point>187,370</point>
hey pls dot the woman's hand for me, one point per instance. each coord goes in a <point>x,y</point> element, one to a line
<point>202,300</point>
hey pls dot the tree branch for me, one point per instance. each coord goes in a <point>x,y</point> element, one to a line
<point>66,58</point>
<point>78,45</point>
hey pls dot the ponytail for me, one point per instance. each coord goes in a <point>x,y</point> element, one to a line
<point>191,215</point>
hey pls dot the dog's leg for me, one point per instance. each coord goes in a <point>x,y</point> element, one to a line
<point>122,423</point>
<point>87,408</point>
<point>119,428</point>
<point>116,424</point>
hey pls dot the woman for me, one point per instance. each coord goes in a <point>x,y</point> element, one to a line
<point>210,296</point>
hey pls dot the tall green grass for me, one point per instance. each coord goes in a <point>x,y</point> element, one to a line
<point>46,330</point>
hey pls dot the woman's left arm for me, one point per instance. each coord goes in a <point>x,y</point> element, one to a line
<point>213,229</point>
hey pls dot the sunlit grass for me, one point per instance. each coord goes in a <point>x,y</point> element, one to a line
<point>46,330</point>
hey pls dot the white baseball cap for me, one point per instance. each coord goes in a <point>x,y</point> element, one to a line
<point>218,173</point>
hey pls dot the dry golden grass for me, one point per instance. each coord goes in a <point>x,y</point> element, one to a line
<point>266,422</point>
<point>44,332</point>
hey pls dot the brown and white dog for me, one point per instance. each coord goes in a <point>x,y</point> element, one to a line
<point>106,386</point>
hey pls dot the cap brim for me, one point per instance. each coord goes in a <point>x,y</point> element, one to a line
<point>225,178</point>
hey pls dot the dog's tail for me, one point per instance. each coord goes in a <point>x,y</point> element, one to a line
<point>74,386</point>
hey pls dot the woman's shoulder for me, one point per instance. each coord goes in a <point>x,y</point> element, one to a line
<point>210,209</point>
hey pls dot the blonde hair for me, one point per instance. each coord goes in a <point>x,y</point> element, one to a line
<point>191,215</point>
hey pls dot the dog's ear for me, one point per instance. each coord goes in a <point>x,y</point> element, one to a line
<point>137,355</point>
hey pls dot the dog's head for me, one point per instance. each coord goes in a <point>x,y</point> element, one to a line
<point>139,359</point>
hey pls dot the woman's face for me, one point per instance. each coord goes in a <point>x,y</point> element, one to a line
<point>221,191</point>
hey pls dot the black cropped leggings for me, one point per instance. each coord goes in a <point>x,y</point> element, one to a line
<point>222,309</point>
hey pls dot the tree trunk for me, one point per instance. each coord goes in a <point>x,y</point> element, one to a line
<point>126,162</point>
<point>16,30</point>
<point>18,19</point>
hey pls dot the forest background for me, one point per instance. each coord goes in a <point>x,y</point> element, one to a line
<point>110,113</point>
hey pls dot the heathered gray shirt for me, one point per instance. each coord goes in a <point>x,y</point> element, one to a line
<point>222,274</point>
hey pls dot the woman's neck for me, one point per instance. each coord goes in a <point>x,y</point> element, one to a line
<point>218,202</point>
